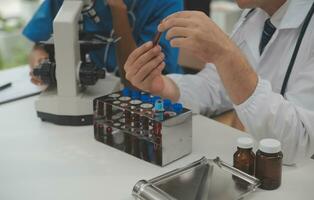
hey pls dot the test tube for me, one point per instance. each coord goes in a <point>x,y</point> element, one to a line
<point>135,115</point>
<point>116,103</point>
<point>157,38</point>
<point>134,142</point>
<point>109,136</point>
<point>98,121</point>
<point>157,126</point>
<point>127,140</point>
<point>159,110</point>
<point>135,146</point>
<point>114,95</point>
<point>178,108</point>
<point>137,125</point>
<point>108,111</point>
<point>158,151</point>
<point>99,108</point>
<point>125,99</point>
<point>135,94</point>
<point>128,118</point>
<point>146,110</point>
<point>127,126</point>
<point>99,132</point>
<point>125,95</point>
<point>167,104</point>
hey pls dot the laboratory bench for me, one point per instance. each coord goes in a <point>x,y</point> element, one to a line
<point>40,160</point>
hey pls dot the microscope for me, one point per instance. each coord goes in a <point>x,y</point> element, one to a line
<point>73,80</point>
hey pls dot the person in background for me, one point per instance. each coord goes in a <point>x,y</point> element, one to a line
<point>134,21</point>
<point>264,71</point>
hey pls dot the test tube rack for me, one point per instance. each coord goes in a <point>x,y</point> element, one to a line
<point>130,122</point>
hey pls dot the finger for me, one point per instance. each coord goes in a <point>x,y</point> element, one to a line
<point>148,81</point>
<point>143,73</point>
<point>138,52</point>
<point>174,22</point>
<point>181,14</point>
<point>36,81</point>
<point>178,32</point>
<point>144,59</point>
<point>184,43</point>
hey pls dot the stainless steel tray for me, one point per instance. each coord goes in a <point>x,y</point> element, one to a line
<point>204,179</point>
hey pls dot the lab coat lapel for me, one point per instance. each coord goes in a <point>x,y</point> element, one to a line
<point>240,23</point>
<point>270,43</point>
<point>252,34</point>
<point>295,14</point>
<point>293,19</point>
<point>239,36</point>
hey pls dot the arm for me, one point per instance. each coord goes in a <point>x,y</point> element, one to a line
<point>281,119</point>
<point>285,120</point>
<point>122,29</point>
<point>144,70</point>
<point>290,121</point>
<point>203,93</point>
<point>197,33</point>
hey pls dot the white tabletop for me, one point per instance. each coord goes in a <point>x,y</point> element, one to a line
<point>21,84</point>
<point>44,161</point>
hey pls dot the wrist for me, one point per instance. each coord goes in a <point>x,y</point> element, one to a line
<point>228,57</point>
<point>171,90</point>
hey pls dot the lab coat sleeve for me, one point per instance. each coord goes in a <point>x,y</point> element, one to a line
<point>203,93</point>
<point>162,9</point>
<point>267,114</point>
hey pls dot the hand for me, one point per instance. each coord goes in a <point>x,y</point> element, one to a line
<point>144,66</point>
<point>197,33</point>
<point>117,4</point>
<point>37,56</point>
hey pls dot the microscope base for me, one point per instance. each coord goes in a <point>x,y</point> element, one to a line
<point>73,110</point>
<point>64,120</point>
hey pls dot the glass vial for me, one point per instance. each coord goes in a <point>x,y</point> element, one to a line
<point>269,164</point>
<point>244,157</point>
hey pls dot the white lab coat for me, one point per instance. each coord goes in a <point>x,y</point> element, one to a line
<point>266,114</point>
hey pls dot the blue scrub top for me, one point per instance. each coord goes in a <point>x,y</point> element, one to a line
<point>144,17</point>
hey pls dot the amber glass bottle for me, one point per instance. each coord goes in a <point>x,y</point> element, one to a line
<point>244,157</point>
<point>269,164</point>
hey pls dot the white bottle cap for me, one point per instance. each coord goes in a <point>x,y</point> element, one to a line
<point>270,146</point>
<point>245,143</point>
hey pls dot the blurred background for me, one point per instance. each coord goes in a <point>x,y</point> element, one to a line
<point>14,14</point>
<point>14,47</point>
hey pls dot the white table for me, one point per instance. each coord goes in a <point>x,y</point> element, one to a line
<point>43,161</point>
<point>21,84</point>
